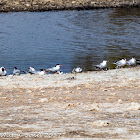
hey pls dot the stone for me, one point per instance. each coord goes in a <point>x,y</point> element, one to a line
<point>42,100</point>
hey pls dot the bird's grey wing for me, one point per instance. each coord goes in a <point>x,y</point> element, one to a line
<point>32,72</point>
<point>128,63</point>
<point>16,72</point>
<point>48,70</point>
<point>99,66</point>
<point>118,63</point>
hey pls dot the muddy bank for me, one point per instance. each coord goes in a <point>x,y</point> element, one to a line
<point>46,5</point>
<point>99,105</point>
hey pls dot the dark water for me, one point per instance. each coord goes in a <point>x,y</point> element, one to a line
<point>71,38</point>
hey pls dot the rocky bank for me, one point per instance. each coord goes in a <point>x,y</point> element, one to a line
<point>46,5</point>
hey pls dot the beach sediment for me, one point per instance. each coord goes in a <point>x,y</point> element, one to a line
<point>47,5</point>
<point>99,105</point>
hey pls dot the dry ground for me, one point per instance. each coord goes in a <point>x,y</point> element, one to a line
<point>92,105</point>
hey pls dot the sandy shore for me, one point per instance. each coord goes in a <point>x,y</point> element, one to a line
<point>99,105</point>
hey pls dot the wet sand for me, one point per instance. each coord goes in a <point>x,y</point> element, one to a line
<point>99,105</point>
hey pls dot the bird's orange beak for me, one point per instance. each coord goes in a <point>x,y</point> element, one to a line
<point>61,65</point>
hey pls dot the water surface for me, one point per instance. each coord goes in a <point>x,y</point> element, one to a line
<point>70,38</point>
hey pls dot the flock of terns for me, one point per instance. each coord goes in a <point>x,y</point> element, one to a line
<point>102,66</point>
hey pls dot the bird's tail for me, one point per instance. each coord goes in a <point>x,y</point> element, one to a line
<point>96,66</point>
<point>138,61</point>
<point>47,70</point>
<point>24,72</point>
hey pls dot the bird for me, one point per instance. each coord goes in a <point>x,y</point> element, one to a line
<point>102,65</point>
<point>120,63</point>
<point>59,72</point>
<point>17,71</point>
<point>3,71</point>
<point>41,72</point>
<point>54,69</point>
<point>31,70</point>
<point>77,70</point>
<point>131,62</point>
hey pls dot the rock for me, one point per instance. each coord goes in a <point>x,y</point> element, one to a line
<point>87,86</point>
<point>68,98</point>
<point>120,101</point>
<point>71,105</point>
<point>28,91</point>
<point>42,91</point>
<point>113,93</point>
<point>52,91</point>
<point>100,123</point>
<point>42,100</point>
<point>78,88</point>
<point>134,106</point>
<point>27,4</point>
<point>60,98</point>
<point>3,98</point>
<point>52,98</point>
<point>30,101</point>
<point>94,107</point>
<point>125,115</point>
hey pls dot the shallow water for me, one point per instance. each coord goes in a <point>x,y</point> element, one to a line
<point>70,38</point>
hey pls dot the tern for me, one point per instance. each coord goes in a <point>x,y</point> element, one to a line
<point>17,71</point>
<point>41,72</point>
<point>77,70</point>
<point>2,71</point>
<point>120,63</point>
<point>54,69</point>
<point>59,72</point>
<point>102,65</point>
<point>131,62</point>
<point>33,71</point>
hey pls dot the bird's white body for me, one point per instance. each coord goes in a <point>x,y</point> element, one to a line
<point>120,63</point>
<point>54,69</point>
<point>77,70</point>
<point>41,72</point>
<point>33,71</point>
<point>16,71</point>
<point>102,65</point>
<point>2,71</point>
<point>131,62</point>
